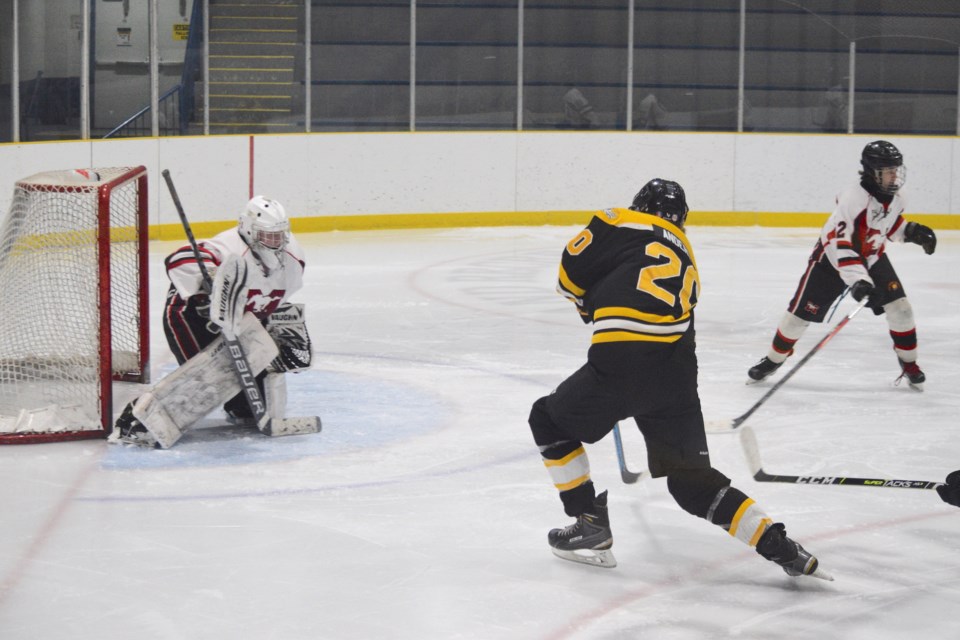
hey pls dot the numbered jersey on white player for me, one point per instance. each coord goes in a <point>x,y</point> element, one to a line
<point>856,234</point>
<point>265,290</point>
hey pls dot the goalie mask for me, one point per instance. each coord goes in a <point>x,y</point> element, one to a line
<point>664,199</point>
<point>883,166</point>
<point>265,228</point>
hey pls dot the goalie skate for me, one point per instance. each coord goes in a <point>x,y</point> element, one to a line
<point>588,540</point>
<point>129,430</point>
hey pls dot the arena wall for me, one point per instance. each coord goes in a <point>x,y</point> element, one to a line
<point>346,181</point>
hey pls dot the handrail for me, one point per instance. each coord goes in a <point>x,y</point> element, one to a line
<point>184,110</point>
<point>128,123</point>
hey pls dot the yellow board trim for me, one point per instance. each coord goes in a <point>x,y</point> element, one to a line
<point>371,222</point>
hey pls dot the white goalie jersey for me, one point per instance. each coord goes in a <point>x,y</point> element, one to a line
<point>267,289</point>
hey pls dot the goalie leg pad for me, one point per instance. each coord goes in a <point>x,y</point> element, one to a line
<point>275,395</point>
<point>201,384</point>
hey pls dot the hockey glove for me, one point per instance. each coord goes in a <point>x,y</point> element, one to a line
<point>950,492</point>
<point>862,289</point>
<point>921,235</point>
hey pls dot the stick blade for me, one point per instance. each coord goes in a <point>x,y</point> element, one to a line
<point>292,426</point>
<point>719,426</point>
<point>751,450</point>
<point>629,477</point>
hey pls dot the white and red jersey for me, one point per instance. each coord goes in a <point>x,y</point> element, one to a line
<point>856,234</point>
<point>265,290</point>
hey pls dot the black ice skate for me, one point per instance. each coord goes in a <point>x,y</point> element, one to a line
<point>911,371</point>
<point>775,546</point>
<point>589,539</point>
<point>129,430</point>
<point>762,370</point>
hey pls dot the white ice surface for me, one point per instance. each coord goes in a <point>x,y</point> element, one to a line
<point>421,510</point>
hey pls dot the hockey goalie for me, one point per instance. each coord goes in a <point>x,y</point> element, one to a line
<point>254,268</point>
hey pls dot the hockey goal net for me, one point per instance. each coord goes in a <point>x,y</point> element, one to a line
<point>73,301</point>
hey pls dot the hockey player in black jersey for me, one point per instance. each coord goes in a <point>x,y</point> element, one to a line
<point>633,275</point>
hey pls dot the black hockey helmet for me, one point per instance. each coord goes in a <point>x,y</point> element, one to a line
<point>879,155</point>
<point>663,198</point>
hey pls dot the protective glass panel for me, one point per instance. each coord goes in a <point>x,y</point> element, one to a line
<point>686,57</point>
<point>50,73</point>
<point>575,65</point>
<point>6,71</point>
<point>466,65</point>
<point>796,67</point>
<point>906,85</point>
<point>120,90</point>
<point>256,69</point>
<point>360,59</point>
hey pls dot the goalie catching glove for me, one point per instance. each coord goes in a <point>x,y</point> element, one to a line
<point>288,329</point>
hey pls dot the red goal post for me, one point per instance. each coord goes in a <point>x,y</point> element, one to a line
<point>74,314</point>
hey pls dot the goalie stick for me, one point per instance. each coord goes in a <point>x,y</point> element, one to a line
<point>241,366</point>
<point>628,477</point>
<point>720,426</point>
<point>748,440</point>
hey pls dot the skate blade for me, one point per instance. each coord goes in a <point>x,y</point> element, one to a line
<point>594,557</point>
<point>823,575</point>
<point>915,386</point>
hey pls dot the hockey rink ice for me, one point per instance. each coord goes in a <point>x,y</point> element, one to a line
<point>421,510</point>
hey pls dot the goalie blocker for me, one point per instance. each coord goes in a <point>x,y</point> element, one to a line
<point>162,415</point>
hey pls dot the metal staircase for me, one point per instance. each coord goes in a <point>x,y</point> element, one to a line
<point>256,50</point>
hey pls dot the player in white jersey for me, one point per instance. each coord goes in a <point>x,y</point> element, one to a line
<point>851,253</point>
<point>272,268</point>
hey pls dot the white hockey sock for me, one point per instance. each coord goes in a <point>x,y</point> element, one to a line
<point>749,523</point>
<point>790,329</point>
<point>900,320</point>
<point>570,471</point>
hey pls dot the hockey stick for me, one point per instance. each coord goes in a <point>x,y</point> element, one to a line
<point>751,450</point>
<point>722,426</point>
<point>246,377</point>
<point>628,477</point>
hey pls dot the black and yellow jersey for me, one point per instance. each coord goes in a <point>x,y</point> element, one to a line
<point>633,275</point>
